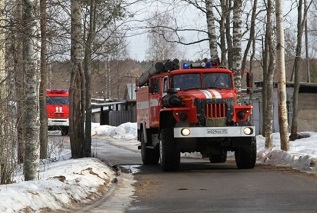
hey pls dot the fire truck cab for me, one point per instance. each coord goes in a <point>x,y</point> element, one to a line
<point>193,108</point>
<point>57,108</point>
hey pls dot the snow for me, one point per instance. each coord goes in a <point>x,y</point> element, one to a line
<point>66,184</point>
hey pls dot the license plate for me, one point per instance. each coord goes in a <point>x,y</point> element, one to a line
<point>217,131</point>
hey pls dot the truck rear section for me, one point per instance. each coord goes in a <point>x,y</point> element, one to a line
<point>192,109</point>
<point>57,107</point>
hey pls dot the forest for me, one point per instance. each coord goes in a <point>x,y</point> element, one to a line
<point>90,48</point>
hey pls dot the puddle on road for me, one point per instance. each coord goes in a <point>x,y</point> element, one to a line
<point>133,169</point>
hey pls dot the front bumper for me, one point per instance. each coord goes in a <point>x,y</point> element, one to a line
<point>58,122</point>
<point>210,132</point>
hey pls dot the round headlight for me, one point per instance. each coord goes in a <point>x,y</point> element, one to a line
<point>185,132</point>
<point>248,131</point>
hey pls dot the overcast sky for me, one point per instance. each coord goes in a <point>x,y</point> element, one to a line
<point>188,17</point>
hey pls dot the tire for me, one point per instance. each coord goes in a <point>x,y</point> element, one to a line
<point>64,131</point>
<point>150,156</point>
<point>246,156</point>
<point>219,158</point>
<point>169,151</point>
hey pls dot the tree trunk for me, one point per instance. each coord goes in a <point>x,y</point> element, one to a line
<point>264,86</point>
<point>19,81</point>
<point>228,35</point>
<point>43,85</point>
<point>297,60</point>
<point>251,35</point>
<point>306,44</point>
<point>282,109</point>
<point>4,151</point>
<point>87,67</point>
<point>223,48</point>
<point>269,77</point>
<point>32,145</point>
<point>76,90</point>
<point>211,28</point>
<point>237,16</point>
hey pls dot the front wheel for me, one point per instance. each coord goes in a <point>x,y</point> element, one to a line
<point>169,151</point>
<point>245,156</point>
<point>64,131</point>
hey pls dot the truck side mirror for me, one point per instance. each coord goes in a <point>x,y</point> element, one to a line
<point>172,90</point>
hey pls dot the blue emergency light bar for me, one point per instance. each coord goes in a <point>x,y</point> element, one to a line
<point>187,65</point>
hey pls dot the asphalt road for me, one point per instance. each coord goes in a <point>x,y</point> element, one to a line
<point>203,187</point>
<point>200,186</point>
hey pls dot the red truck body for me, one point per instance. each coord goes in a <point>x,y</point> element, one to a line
<point>181,110</point>
<point>57,108</point>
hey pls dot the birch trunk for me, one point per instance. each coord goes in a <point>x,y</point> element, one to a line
<point>237,22</point>
<point>32,127</point>
<point>282,109</point>
<point>211,28</point>
<point>76,90</point>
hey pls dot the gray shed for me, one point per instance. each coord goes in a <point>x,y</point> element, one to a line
<point>307,101</point>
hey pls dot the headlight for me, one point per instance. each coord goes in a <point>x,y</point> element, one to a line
<point>185,131</point>
<point>248,131</point>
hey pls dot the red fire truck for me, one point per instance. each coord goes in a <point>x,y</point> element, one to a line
<point>57,107</point>
<point>194,108</point>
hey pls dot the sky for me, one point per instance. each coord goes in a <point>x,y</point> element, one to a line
<point>187,17</point>
<point>64,182</point>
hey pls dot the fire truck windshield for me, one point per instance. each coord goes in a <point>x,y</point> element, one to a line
<point>217,80</point>
<point>210,80</point>
<point>57,100</point>
<point>186,81</point>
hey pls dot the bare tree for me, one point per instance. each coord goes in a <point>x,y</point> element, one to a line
<point>87,71</point>
<point>211,28</point>
<point>282,109</point>
<point>268,77</point>
<point>251,39</point>
<point>31,81</point>
<point>160,47</point>
<point>76,90</point>
<point>297,60</point>
<point>237,36</point>
<point>19,80</point>
<point>301,22</point>
<point>43,83</point>
<point>4,151</point>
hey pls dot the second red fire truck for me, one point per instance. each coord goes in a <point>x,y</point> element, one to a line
<point>57,108</point>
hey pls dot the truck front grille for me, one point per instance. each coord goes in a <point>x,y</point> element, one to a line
<point>216,110</point>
